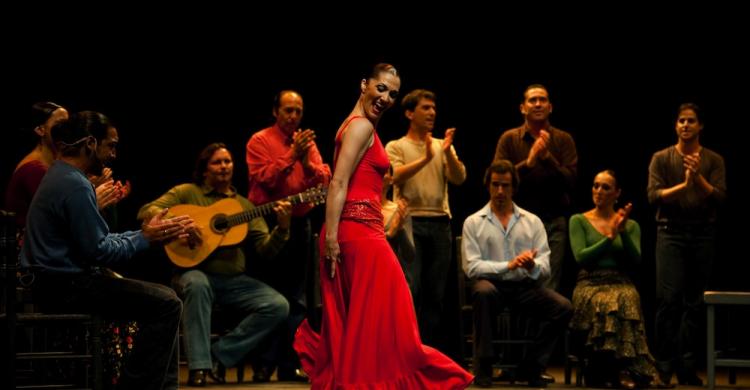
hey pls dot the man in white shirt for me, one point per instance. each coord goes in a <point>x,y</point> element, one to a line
<point>506,255</point>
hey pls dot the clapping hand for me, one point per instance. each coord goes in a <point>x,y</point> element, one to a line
<point>164,229</point>
<point>525,259</point>
<point>538,149</point>
<point>428,153</point>
<point>448,140</point>
<point>691,162</point>
<point>619,220</point>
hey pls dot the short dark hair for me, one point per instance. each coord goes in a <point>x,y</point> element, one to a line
<point>201,163</point>
<point>278,96</point>
<point>501,166</point>
<point>68,135</point>
<point>691,106</point>
<point>533,86</point>
<point>97,124</point>
<point>410,101</point>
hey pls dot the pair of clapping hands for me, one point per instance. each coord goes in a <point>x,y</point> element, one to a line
<point>108,191</point>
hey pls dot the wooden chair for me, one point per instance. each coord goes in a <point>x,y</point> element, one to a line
<point>33,356</point>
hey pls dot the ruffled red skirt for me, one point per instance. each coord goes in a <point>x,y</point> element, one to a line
<point>369,336</point>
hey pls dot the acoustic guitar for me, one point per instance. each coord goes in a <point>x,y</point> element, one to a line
<point>225,223</point>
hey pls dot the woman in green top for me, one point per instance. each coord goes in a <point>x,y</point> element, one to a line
<point>607,306</point>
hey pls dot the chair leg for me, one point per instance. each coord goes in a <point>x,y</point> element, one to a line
<point>710,352</point>
<point>567,357</point>
<point>579,373</point>
<point>241,371</point>
<point>96,344</point>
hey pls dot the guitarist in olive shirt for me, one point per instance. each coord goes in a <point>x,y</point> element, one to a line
<point>221,278</point>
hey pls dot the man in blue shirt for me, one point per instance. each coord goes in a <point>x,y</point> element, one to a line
<point>506,255</point>
<point>67,241</point>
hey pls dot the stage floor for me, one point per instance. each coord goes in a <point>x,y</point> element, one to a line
<point>743,382</point>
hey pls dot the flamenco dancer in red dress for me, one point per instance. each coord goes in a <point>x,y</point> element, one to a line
<point>369,336</point>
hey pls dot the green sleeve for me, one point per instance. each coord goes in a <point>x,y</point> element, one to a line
<point>631,241</point>
<point>584,253</point>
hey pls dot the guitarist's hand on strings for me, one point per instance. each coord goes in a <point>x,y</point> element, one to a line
<point>193,236</point>
<point>166,229</point>
<point>283,211</point>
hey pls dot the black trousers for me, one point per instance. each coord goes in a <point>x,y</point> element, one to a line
<point>684,257</point>
<point>289,274</point>
<point>551,310</point>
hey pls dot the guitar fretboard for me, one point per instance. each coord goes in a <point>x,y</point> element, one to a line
<point>247,216</point>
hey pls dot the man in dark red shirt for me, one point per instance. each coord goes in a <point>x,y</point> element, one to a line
<point>283,160</point>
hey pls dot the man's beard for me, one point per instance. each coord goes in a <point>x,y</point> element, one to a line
<point>97,165</point>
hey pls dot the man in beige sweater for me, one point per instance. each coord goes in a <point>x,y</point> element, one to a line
<point>423,167</point>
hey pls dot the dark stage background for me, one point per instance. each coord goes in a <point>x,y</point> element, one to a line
<point>171,96</point>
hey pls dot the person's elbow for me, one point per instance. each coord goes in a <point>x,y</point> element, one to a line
<point>399,179</point>
<point>457,179</point>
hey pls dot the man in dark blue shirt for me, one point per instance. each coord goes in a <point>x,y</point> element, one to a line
<point>67,240</point>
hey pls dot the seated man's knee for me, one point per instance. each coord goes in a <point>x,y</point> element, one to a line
<point>564,309</point>
<point>168,301</point>
<point>483,289</point>
<point>173,302</point>
<point>194,283</point>
<point>279,306</point>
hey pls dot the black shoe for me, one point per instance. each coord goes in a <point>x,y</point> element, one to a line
<point>197,378</point>
<point>505,375</point>
<point>218,373</point>
<point>484,373</point>
<point>690,380</point>
<point>660,384</point>
<point>261,374</point>
<point>641,380</point>
<point>537,381</point>
<point>534,378</point>
<point>483,381</point>
<point>294,376</point>
<point>664,379</point>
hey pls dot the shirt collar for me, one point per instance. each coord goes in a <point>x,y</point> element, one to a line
<point>281,133</point>
<point>486,212</point>
<point>525,131</point>
<point>208,190</point>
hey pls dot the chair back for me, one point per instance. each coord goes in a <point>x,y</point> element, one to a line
<point>460,275</point>
<point>8,269</point>
<point>35,359</point>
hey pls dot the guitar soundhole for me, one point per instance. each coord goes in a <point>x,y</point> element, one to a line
<point>219,224</point>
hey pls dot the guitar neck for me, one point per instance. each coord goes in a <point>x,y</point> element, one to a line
<point>259,211</point>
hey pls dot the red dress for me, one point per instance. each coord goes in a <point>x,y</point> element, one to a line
<point>369,336</point>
